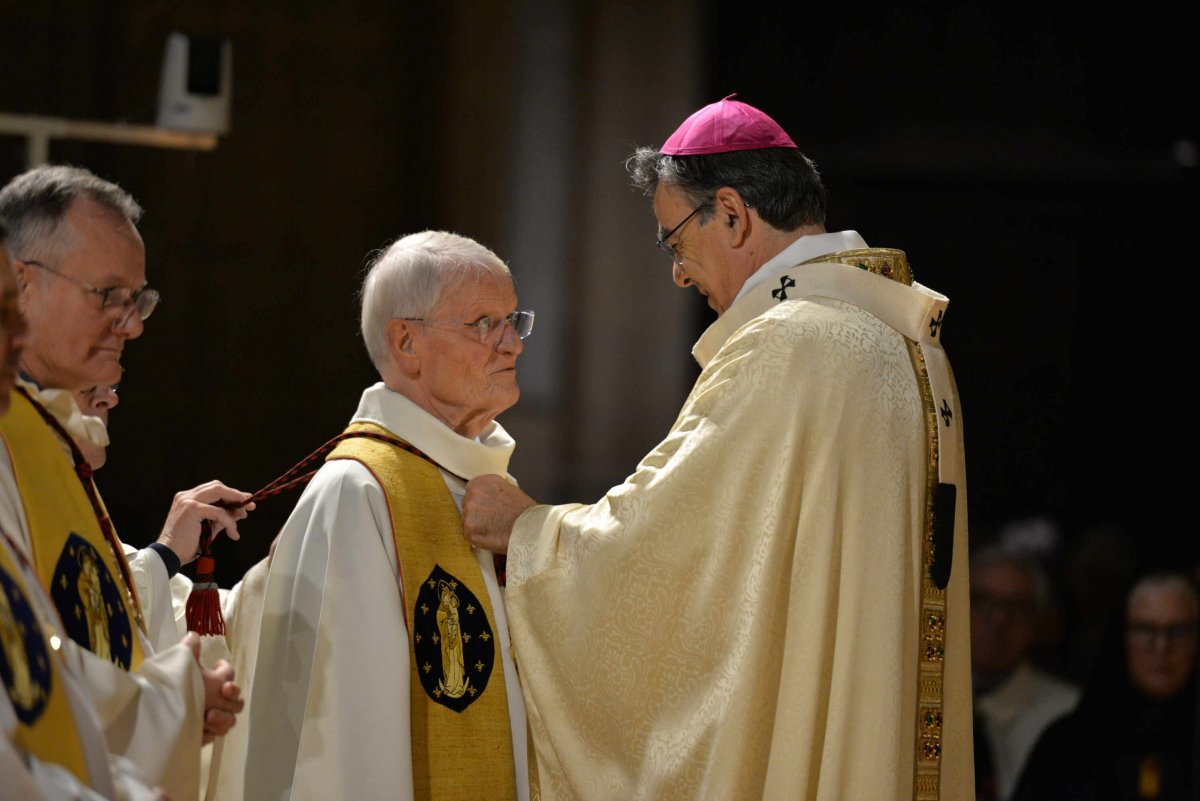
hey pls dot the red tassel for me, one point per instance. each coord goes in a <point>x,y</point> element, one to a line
<point>204,604</point>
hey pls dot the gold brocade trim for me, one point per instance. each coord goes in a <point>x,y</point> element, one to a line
<point>931,660</point>
<point>888,262</point>
<point>893,264</point>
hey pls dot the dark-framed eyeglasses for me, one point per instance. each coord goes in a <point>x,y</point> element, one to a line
<point>486,327</point>
<point>668,248</point>
<point>1145,633</point>
<point>117,299</point>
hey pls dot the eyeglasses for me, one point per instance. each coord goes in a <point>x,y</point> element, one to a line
<point>667,247</point>
<point>118,298</point>
<point>521,322</point>
<point>985,603</point>
<point>1144,633</point>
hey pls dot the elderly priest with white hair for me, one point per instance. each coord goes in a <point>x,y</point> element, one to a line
<point>384,666</point>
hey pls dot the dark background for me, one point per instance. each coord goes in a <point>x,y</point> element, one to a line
<point>1034,163</point>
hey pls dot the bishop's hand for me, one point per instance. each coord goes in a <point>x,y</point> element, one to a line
<point>490,508</point>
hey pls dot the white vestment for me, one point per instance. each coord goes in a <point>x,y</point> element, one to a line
<point>1015,713</point>
<point>741,618</point>
<point>329,704</point>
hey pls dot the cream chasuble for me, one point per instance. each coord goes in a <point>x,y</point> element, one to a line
<point>751,614</point>
<point>329,712</point>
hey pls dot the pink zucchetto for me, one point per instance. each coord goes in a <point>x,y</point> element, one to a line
<point>723,127</point>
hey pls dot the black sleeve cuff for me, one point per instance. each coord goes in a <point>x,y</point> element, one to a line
<point>168,556</point>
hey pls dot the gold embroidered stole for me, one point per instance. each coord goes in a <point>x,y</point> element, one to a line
<point>85,573</point>
<point>893,264</point>
<point>32,671</point>
<point>458,705</point>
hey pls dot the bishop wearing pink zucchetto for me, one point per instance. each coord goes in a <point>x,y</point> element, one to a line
<point>774,603</point>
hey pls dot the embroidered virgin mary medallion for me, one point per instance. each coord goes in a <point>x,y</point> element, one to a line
<point>89,602</point>
<point>452,641</point>
<point>24,661</point>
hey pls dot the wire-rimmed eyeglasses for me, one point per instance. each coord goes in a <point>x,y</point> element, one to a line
<point>521,322</point>
<point>117,298</point>
<point>668,248</point>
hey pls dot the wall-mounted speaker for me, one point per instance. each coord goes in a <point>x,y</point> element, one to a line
<point>197,81</point>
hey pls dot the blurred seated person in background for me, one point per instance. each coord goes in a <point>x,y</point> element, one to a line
<point>1133,735</point>
<point>1014,699</point>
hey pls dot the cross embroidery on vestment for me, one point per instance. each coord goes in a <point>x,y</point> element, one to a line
<point>785,283</point>
<point>935,324</point>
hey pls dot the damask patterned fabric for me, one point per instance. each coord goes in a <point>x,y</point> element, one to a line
<point>740,617</point>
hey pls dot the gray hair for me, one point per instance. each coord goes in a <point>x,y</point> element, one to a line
<point>407,279</point>
<point>1024,561</point>
<point>35,203</point>
<point>780,183</point>
<point>1166,580</point>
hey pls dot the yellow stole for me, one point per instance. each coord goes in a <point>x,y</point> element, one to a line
<point>84,571</point>
<point>458,706</point>
<point>32,673</point>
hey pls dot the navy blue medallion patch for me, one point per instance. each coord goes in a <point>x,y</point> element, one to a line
<point>24,660</point>
<point>453,643</point>
<point>89,602</point>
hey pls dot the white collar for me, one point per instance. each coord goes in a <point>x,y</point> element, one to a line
<point>802,250</point>
<point>468,458</point>
<point>915,311</point>
<point>63,408</point>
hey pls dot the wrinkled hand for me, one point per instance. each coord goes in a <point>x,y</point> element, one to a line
<point>222,697</point>
<point>181,532</point>
<point>490,508</point>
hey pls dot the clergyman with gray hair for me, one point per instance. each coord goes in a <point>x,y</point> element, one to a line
<point>1015,699</point>
<point>80,267</point>
<point>384,666</point>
